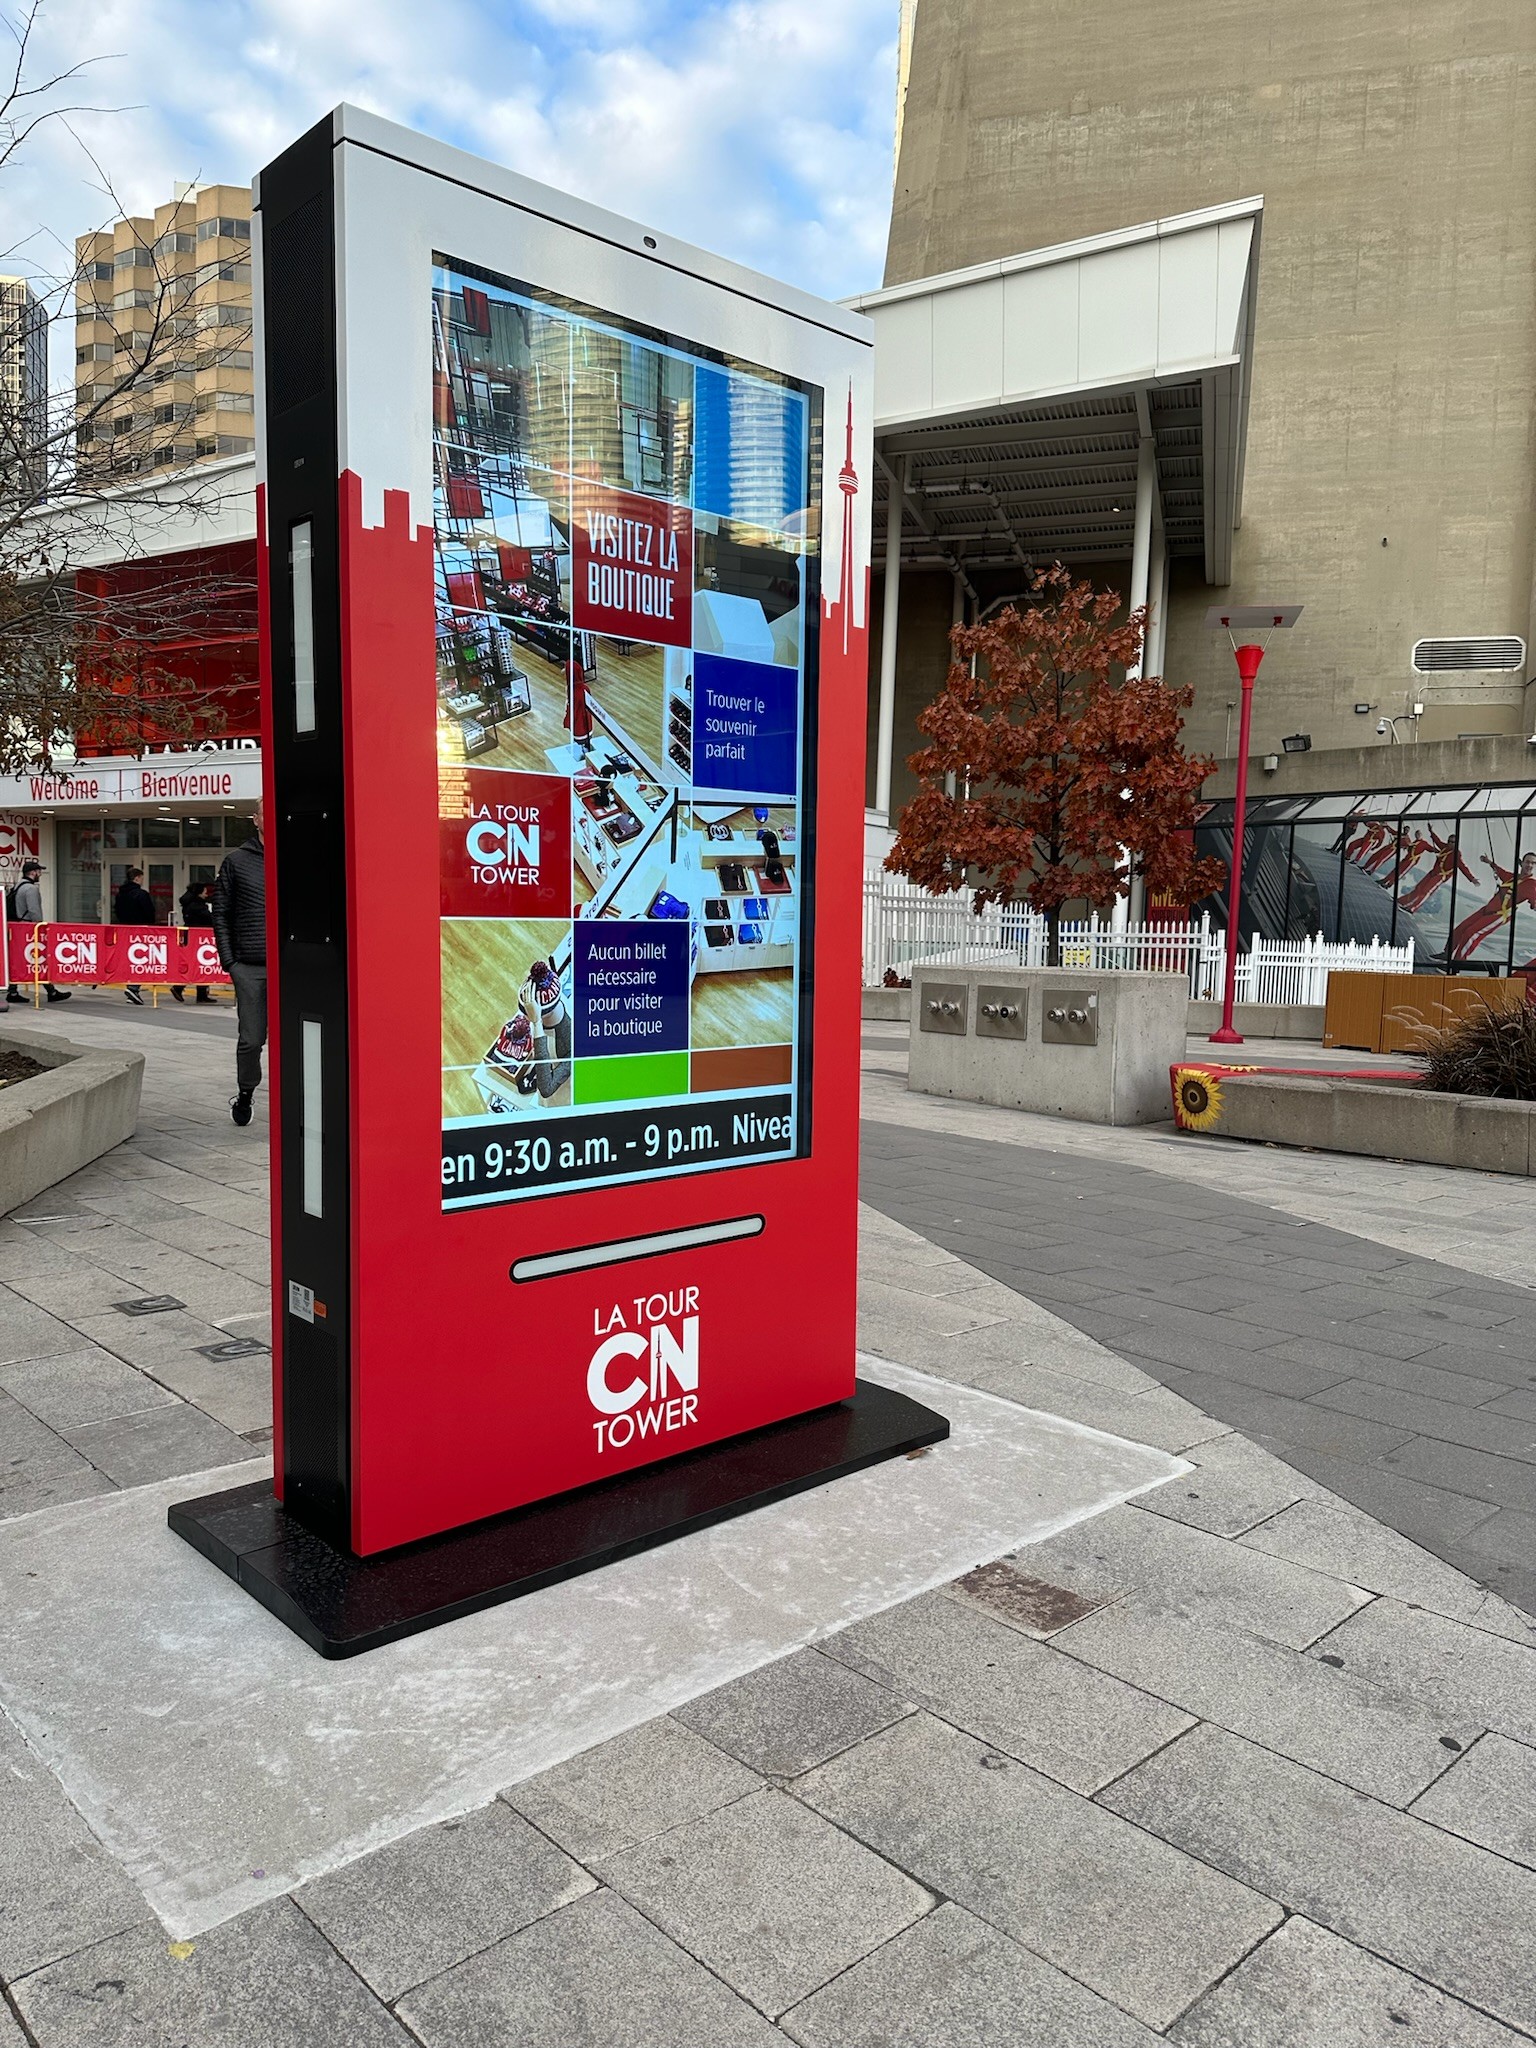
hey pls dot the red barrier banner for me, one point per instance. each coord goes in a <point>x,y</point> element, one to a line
<point>156,955</point>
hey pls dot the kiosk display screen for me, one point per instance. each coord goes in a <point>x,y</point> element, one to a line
<point>627,600</point>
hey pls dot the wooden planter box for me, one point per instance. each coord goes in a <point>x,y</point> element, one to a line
<point>1396,1012</point>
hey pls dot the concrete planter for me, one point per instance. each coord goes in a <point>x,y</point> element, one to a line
<point>52,1125</point>
<point>1076,1043</point>
<point>1379,1122</point>
<point>1254,1020</point>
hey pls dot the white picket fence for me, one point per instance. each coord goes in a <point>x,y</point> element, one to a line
<point>905,926</point>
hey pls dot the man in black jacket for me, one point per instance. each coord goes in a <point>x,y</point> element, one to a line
<point>133,904</point>
<point>240,930</point>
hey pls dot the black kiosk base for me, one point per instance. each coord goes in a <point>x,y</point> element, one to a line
<point>342,1605</point>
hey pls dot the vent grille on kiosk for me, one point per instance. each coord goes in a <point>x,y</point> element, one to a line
<point>1481,651</point>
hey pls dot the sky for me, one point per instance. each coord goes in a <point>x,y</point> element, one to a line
<point>761,129</point>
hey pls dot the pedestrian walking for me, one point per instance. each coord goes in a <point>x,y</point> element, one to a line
<point>133,904</point>
<point>25,906</point>
<point>240,928</point>
<point>196,915</point>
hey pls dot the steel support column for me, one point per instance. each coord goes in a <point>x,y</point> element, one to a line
<point>885,728</point>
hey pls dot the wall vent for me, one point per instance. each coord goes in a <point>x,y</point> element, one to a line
<point>1503,651</point>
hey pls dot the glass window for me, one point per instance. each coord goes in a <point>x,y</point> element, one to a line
<point>160,832</point>
<point>1500,797</point>
<point>77,864</point>
<point>1523,952</point>
<point>237,830</point>
<point>1491,885</point>
<point>202,832</point>
<point>1324,808</point>
<point>1444,803</point>
<point>120,832</point>
<point>1426,865</point>
<point>1317,859</point>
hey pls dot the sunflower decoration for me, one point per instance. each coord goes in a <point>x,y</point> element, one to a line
<point>1198,1095</point>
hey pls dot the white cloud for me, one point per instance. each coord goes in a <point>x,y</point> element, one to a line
<point>759,128</point>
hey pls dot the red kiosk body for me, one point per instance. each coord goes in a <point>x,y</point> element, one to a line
<point>566,541</point>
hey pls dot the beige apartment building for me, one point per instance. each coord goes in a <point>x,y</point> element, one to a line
<point>23,390</point>
<point>1361,437</point>
<point>173,291</point>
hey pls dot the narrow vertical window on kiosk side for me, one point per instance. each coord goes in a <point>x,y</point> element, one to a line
<point>626,534</point>
<point>301,556</point>
<point>311,1079</point>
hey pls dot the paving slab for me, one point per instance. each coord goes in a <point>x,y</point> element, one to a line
<point>933,1316</point>
<point>1306,1988</point>
<point>1353,1730</point>
<point>1188,1571</point>
<point>595,1975</point>
<point>1447,1422</point>
<point>59,1891</point>
<point>1075,1725</point>
<point>1431,1516</point>
<point>1342,1541</point>
<point>1434,1905</point>
<point>234,1392</point>
<point>1019,1600</point>
<point>952,1981</point>
<point>771,1897</point>
<point>37,1468</point>
<point>70,1388</point>
<point>1432,1375</point>
<point>1298,1421</point>
<point>1450,1666</point>
<point>1154,1416</point>
<point>269,1978</point>
<point>1488,1796</point>
<point>157,1443</point>
<point>1484,1475</point>
<point>1139,1923</point>
<point>1277,1314</point>
<point>414,1909</point>
<point>636,1785</point>
<point>68,1286</point>
<point>1234,1485</point>
<point>244,1735</point>
<point>786,1716</point>
<point>30,1332</point>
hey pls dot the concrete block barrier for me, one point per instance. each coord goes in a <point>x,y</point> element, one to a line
<point>1379,1121</point>
<point>58,1121</point>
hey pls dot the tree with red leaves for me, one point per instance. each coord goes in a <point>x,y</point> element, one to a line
<point>1061,764</point>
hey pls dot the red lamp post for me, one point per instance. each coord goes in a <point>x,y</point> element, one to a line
<point>1248,655</point>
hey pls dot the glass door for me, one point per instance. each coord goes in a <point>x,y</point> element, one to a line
<point>160,881</point>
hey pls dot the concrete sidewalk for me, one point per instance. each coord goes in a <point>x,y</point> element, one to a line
<point>1232,1765</point>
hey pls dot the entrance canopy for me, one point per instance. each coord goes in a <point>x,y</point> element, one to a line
<point>1016,394</point>
<point>1085,403</point>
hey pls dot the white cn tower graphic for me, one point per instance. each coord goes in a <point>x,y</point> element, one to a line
<point>848,484</point>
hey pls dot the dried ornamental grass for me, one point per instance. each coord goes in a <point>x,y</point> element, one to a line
<point>1487,1052</point>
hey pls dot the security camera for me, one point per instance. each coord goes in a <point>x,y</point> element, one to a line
<point>1381,728</point>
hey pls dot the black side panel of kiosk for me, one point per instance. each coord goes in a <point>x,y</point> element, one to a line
<point>308,831</point>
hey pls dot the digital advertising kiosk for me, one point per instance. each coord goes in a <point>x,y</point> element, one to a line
<point>565,530</point>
